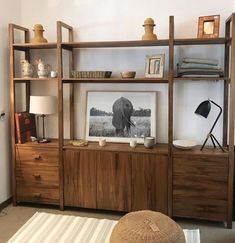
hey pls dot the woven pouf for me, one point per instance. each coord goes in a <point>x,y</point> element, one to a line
<point>147,227</point>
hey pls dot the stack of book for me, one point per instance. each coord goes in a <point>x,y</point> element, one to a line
<point>197,67</point>
<point>25,126</point>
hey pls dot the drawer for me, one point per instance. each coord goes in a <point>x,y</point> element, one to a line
<point>28,193</point>
<point>38,175</point>
<point>37,156</point>
<point>200,209</point>
<point>208,167</point>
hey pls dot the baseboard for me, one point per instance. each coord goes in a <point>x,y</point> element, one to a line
<point>5,203</point>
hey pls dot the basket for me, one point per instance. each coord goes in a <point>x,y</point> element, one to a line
<point>91,74</point>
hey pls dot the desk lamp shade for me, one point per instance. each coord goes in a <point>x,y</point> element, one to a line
<point>43,105</point>
<point>203,110</point>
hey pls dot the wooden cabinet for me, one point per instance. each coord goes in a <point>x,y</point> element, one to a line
<point>80,178</point>
<point>37,175</point>
<point>117,177</point>
<point>114,181</point>
<point>200,187</point>
<point>123,181</point>
<point>149,182</point>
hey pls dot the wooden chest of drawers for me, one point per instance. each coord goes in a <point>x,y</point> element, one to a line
<point>37,174</point>
<point>200,187</point>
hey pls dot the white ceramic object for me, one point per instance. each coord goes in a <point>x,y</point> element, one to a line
<point>27,69</point>
<point>184,144</point>
<point>149,142</point>
<point>133,143</point>
<point>53,74</point>
<point>102,142</point>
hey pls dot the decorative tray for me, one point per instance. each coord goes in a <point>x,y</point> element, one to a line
<point>91,74</point>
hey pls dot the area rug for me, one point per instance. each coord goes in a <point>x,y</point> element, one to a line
<point>55,228</point>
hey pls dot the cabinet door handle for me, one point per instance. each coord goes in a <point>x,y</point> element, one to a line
<point>37,195</point>
<point>37,157</point>
<point>37,176</point>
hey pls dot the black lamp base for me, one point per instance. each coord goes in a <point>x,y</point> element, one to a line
<point>44,140</point>
<point>214,141</point>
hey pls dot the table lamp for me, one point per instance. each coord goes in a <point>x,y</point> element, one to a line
<point>42,106</point>
<point>203,110</point>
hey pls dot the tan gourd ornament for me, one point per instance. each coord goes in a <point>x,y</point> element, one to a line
<point>38,34</point>
<point>148,28</point>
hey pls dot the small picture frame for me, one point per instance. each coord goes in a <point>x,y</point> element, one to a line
<point>208,26</point>
<point>154,66</point>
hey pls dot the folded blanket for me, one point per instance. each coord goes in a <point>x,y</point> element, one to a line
<point>201,72</point>
<point>200,60</point>
<point>187,65</point>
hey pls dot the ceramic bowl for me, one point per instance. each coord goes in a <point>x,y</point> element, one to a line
<point>128,74</point>
<point>184,144</point>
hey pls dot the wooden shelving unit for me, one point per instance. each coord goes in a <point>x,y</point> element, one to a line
<point>122,178</point>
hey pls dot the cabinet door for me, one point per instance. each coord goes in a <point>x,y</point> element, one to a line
<point>80,178</point>
<point>200,187</point>
<point>149,182</point>
<point>114,181</point>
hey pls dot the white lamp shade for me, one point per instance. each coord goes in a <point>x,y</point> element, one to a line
<point>43,105</point>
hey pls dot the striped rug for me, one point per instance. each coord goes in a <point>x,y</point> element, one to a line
<point>54,228</point>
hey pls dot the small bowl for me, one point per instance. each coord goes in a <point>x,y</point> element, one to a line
<point>128,74</point>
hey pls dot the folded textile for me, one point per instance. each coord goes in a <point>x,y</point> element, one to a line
<point>183,72</point>
<point>200,60</point>
<point>187,65</point>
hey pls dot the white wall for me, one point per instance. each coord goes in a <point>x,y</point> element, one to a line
<point>10,13</point>
<point>122,20</point>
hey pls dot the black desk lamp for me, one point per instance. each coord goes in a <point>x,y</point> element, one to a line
<point>204,110</point>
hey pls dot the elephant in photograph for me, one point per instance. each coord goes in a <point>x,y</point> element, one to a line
<point>122,111</point>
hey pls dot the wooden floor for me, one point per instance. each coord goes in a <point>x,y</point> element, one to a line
<point>12,218</point>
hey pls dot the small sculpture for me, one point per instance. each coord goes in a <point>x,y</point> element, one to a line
<point>148,27</point>
<point>27,69</point>
<point>43,69</point>
<point>38,34</point>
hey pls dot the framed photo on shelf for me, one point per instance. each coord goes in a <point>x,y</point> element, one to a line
<point>208,26</point>
<point>120,116</point>
<point>154,66</point>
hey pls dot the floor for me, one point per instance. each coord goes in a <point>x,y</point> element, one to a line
<point>12,218</point>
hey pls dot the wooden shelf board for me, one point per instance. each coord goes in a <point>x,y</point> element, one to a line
<point>26,46</point>
<point>202,78</point>
<point>114,80</point>
<point>53,143</point>
<point>104,44</point>
<point>120,147</point>
<point>199,41</point>
<point>207,151</point>
<point>34,79</point>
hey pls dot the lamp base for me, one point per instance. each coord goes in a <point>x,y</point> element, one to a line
<point>214,141</point>
<point>44,140</point>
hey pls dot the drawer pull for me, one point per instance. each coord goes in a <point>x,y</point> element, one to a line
<point>37,176</point>
<point>37,195</point>
<point>37,157</point>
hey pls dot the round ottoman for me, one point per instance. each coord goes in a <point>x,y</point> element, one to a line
<point>146,227</point>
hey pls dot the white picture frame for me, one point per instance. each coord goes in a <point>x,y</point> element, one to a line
<point>104,120</point>
<point>154,66</point>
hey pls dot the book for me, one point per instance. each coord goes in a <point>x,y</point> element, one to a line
<point>25,126</point>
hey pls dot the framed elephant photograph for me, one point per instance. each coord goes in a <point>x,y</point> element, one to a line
<point>119,116</point>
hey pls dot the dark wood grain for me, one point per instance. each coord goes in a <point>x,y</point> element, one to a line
<point>36,156</point>
<point>80,178</point>
<point>115,80</point>
<point>121,147</point>
<point>26,193</point>
<point>200,187</point>
<point>114,181</point>
<point>105,44</point>
<point>27,46</point>
<point>149,182</point>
